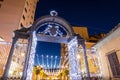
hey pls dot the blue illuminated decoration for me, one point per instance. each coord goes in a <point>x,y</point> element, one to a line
<point>52,29</point>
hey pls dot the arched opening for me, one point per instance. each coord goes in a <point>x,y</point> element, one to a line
<point>49,29</point>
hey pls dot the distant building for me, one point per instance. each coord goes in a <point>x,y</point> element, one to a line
<point>14,15</point>
<point>108,49</point>
<point>82,31</point>
<point>92,58</point>
<point>96,37</point>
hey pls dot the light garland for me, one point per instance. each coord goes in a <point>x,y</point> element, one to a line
<point>31,59</point>
<point>73,61</point>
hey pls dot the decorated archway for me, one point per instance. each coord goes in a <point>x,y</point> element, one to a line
<point>49,28</point>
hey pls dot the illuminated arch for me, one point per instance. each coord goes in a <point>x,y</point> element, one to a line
<point>63,24</point>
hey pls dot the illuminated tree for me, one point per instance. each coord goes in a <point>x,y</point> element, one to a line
<point>36,70</point>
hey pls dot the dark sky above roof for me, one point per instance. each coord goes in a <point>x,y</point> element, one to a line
<point>98,15</point>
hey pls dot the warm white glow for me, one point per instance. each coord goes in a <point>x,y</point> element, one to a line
<point>73,61</point>
<point>11,72</point>
<point>78,56</point>
<point>23,54</point>
<point>20,73</point>
<point>31,58</point>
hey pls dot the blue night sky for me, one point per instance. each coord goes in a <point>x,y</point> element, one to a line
<point>97,15</point>
<point>50,49</point>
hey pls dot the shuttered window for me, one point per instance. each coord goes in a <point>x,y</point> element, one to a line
<point>114,64</point>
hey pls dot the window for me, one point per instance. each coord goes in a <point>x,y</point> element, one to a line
<point>114,64</point>
<point>27,2</point>
<point>25,10</point>
<point>21,25</point>
<point>23,17</point>
<point>31,17</point>
<point>1,0</point>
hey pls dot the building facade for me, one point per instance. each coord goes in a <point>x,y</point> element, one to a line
<point>4,52</point>
<point>109,53</point>
<point>92,57</point>
<point>14,15</point>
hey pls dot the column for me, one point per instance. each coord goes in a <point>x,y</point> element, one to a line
<point>7,67</point>
<point>73,62</point>
<point>86,61</point>
<point>29,62</point>
<point>26,60</point>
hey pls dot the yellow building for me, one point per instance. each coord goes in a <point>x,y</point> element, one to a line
<point>15,14</point>
<point>82,31</point>
<point>92,57</point>
<point>109,54</point>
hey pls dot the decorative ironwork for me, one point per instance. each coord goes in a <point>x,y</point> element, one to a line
<point>53,13</point>
<point>52,30</point>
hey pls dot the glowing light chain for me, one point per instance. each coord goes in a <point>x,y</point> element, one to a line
<point>48,61</point>
<point>51,69</point>
<point>73,62</point>
<point>31,59</point>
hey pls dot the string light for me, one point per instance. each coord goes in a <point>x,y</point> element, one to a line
<point>51,68</point>
<point>73,62</point>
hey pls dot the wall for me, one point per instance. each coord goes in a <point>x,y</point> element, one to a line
<point>10,14</point>
<point>106,46</point>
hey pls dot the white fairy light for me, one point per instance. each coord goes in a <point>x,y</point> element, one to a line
<point>73,62</point>
<point>31,59</point>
